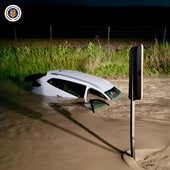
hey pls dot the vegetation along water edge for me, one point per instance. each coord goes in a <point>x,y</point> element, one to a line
<point>105,59</point>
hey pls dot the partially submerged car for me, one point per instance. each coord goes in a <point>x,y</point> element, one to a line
<point>74,84</point>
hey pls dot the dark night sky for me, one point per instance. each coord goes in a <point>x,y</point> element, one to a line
<point>99,3</point>
<point>87,18</point>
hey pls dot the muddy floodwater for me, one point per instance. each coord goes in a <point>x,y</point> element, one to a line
<point>55,134</point>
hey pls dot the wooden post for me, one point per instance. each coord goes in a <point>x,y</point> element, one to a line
<point>15,33</point>
<point>108,38</point>
<point>51,34</point>
<point>164,36</point>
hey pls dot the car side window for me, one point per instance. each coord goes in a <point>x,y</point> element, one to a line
<point>68,86</point>
<point>93,93</point>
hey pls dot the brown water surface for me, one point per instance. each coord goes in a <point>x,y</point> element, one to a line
<point>52,133</point>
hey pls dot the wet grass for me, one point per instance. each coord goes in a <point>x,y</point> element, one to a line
<point>20,59</point>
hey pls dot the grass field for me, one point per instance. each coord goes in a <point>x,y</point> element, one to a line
<point>101,57</point>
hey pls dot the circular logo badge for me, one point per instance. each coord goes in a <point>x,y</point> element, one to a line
<point>12,13</point>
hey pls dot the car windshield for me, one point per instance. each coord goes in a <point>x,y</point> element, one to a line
<point>113,93</point>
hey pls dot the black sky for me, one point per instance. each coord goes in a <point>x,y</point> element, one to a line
<point>86,20</point>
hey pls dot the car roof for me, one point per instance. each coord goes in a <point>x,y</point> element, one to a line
<point>86,79</point>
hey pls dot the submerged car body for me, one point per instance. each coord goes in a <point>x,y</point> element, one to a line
<point>73,84</point>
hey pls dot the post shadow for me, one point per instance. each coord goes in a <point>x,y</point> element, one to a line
<point>67,114</point>
<point>30,113</point>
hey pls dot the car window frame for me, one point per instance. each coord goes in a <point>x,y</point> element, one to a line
<point>66,88</point>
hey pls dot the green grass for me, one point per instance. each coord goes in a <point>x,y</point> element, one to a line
<point>18,60</point>
<point>157,59</point>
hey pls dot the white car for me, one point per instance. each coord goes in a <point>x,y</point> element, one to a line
<point>73,84</point>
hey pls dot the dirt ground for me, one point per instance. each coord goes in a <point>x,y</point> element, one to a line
<point>64,135</point>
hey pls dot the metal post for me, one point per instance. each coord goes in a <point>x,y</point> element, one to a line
<point>132,112</point>
<point>132,128</point>
<point>135,88</point>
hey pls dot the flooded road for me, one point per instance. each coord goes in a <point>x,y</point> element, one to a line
<point>48,133</point>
